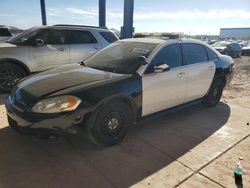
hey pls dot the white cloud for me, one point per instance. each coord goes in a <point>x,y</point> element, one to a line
<point>160,15</point>
<point>72,12</point>
<point>77,11</point>
<point>193,15</point>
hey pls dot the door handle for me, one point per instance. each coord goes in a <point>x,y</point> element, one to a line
<point>60,49</point>
<point>181,75</point>
<point>211,67</point>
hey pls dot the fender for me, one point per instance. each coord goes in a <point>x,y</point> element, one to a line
<point>21,64</point>
<point>220,75</point>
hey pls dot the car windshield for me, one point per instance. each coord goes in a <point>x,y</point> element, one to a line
<point>120,57</point>
<point>24,36</point>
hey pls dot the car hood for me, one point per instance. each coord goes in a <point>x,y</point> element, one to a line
<point>220,47</point>
<point>246,48</point>
<point>2,39</point>
<point>6,45</point>
<point>54,80</point>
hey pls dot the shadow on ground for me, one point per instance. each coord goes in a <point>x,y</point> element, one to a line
<point>73,161</point>
<point>2,98</point>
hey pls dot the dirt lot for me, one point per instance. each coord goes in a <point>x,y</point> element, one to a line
<point>239,90</point>
<point>194,147</point>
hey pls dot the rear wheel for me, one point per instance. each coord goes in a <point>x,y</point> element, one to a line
<point>109,124</point>
<point>10,74</point>
<point>214,95</point>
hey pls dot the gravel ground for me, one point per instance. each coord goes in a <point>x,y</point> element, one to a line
<point>239,90</point>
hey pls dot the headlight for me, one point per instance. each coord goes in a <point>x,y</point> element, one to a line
<point>57,104</point>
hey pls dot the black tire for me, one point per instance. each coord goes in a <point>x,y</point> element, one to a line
<point>10,74</point>
<point>214,94</point>
<point>109,124</point>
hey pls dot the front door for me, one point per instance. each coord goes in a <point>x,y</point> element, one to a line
<point>54,52</point>
<point>165,89</point>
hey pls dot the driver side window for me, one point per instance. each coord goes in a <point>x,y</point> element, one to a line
<point>170,55</point>
<point>53,37</point>
<point>50,36</point>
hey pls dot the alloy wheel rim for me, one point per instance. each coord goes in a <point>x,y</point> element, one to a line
<point>113,124</point>
<point>9,77</point>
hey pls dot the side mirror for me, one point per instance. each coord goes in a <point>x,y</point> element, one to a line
<point>38,42</point>
<point>82,63</point>
<point>142,60</point>
<point>161,68</point>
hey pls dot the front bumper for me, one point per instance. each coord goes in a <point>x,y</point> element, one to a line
<point>229,75</point>
<point>42,124</point>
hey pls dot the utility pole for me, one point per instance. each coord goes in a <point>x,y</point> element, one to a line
<point>43,12</point>
<point>102,13</point>
<point>127,29</point>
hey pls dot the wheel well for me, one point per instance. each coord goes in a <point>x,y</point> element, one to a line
<point>16,62</point>
<point>131,105</point>
<point>124,99</point>
<point>223,78</point>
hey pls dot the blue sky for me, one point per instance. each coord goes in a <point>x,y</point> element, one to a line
<point>188,16</point>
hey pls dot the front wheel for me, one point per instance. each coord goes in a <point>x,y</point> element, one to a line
<point>10,74</point>
<point>109,124</point>
<point>214,94</point>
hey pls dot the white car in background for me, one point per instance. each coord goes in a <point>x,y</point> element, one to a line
<point>46,47</point>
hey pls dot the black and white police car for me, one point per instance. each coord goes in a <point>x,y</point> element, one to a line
<point>118,86</point>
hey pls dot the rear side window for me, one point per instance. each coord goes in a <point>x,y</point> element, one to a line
<point>80,37</point>
<point>211,55</point>
<point>171,55</point>
<point>109,36</point>
<point>195,53</point>
<point>5,32</point>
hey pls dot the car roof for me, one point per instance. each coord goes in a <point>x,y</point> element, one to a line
<point>162,42</point>
<point>144,40</point>
<point>193,41</point>
<point>4,28</point>
<point>75,27</point>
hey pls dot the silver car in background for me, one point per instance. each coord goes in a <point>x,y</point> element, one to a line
<point>46,47</point>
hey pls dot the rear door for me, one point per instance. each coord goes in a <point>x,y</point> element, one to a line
<point>82,45</point>
<point>200,70</point>
<point>166,89</point>
<point>54,52</point>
